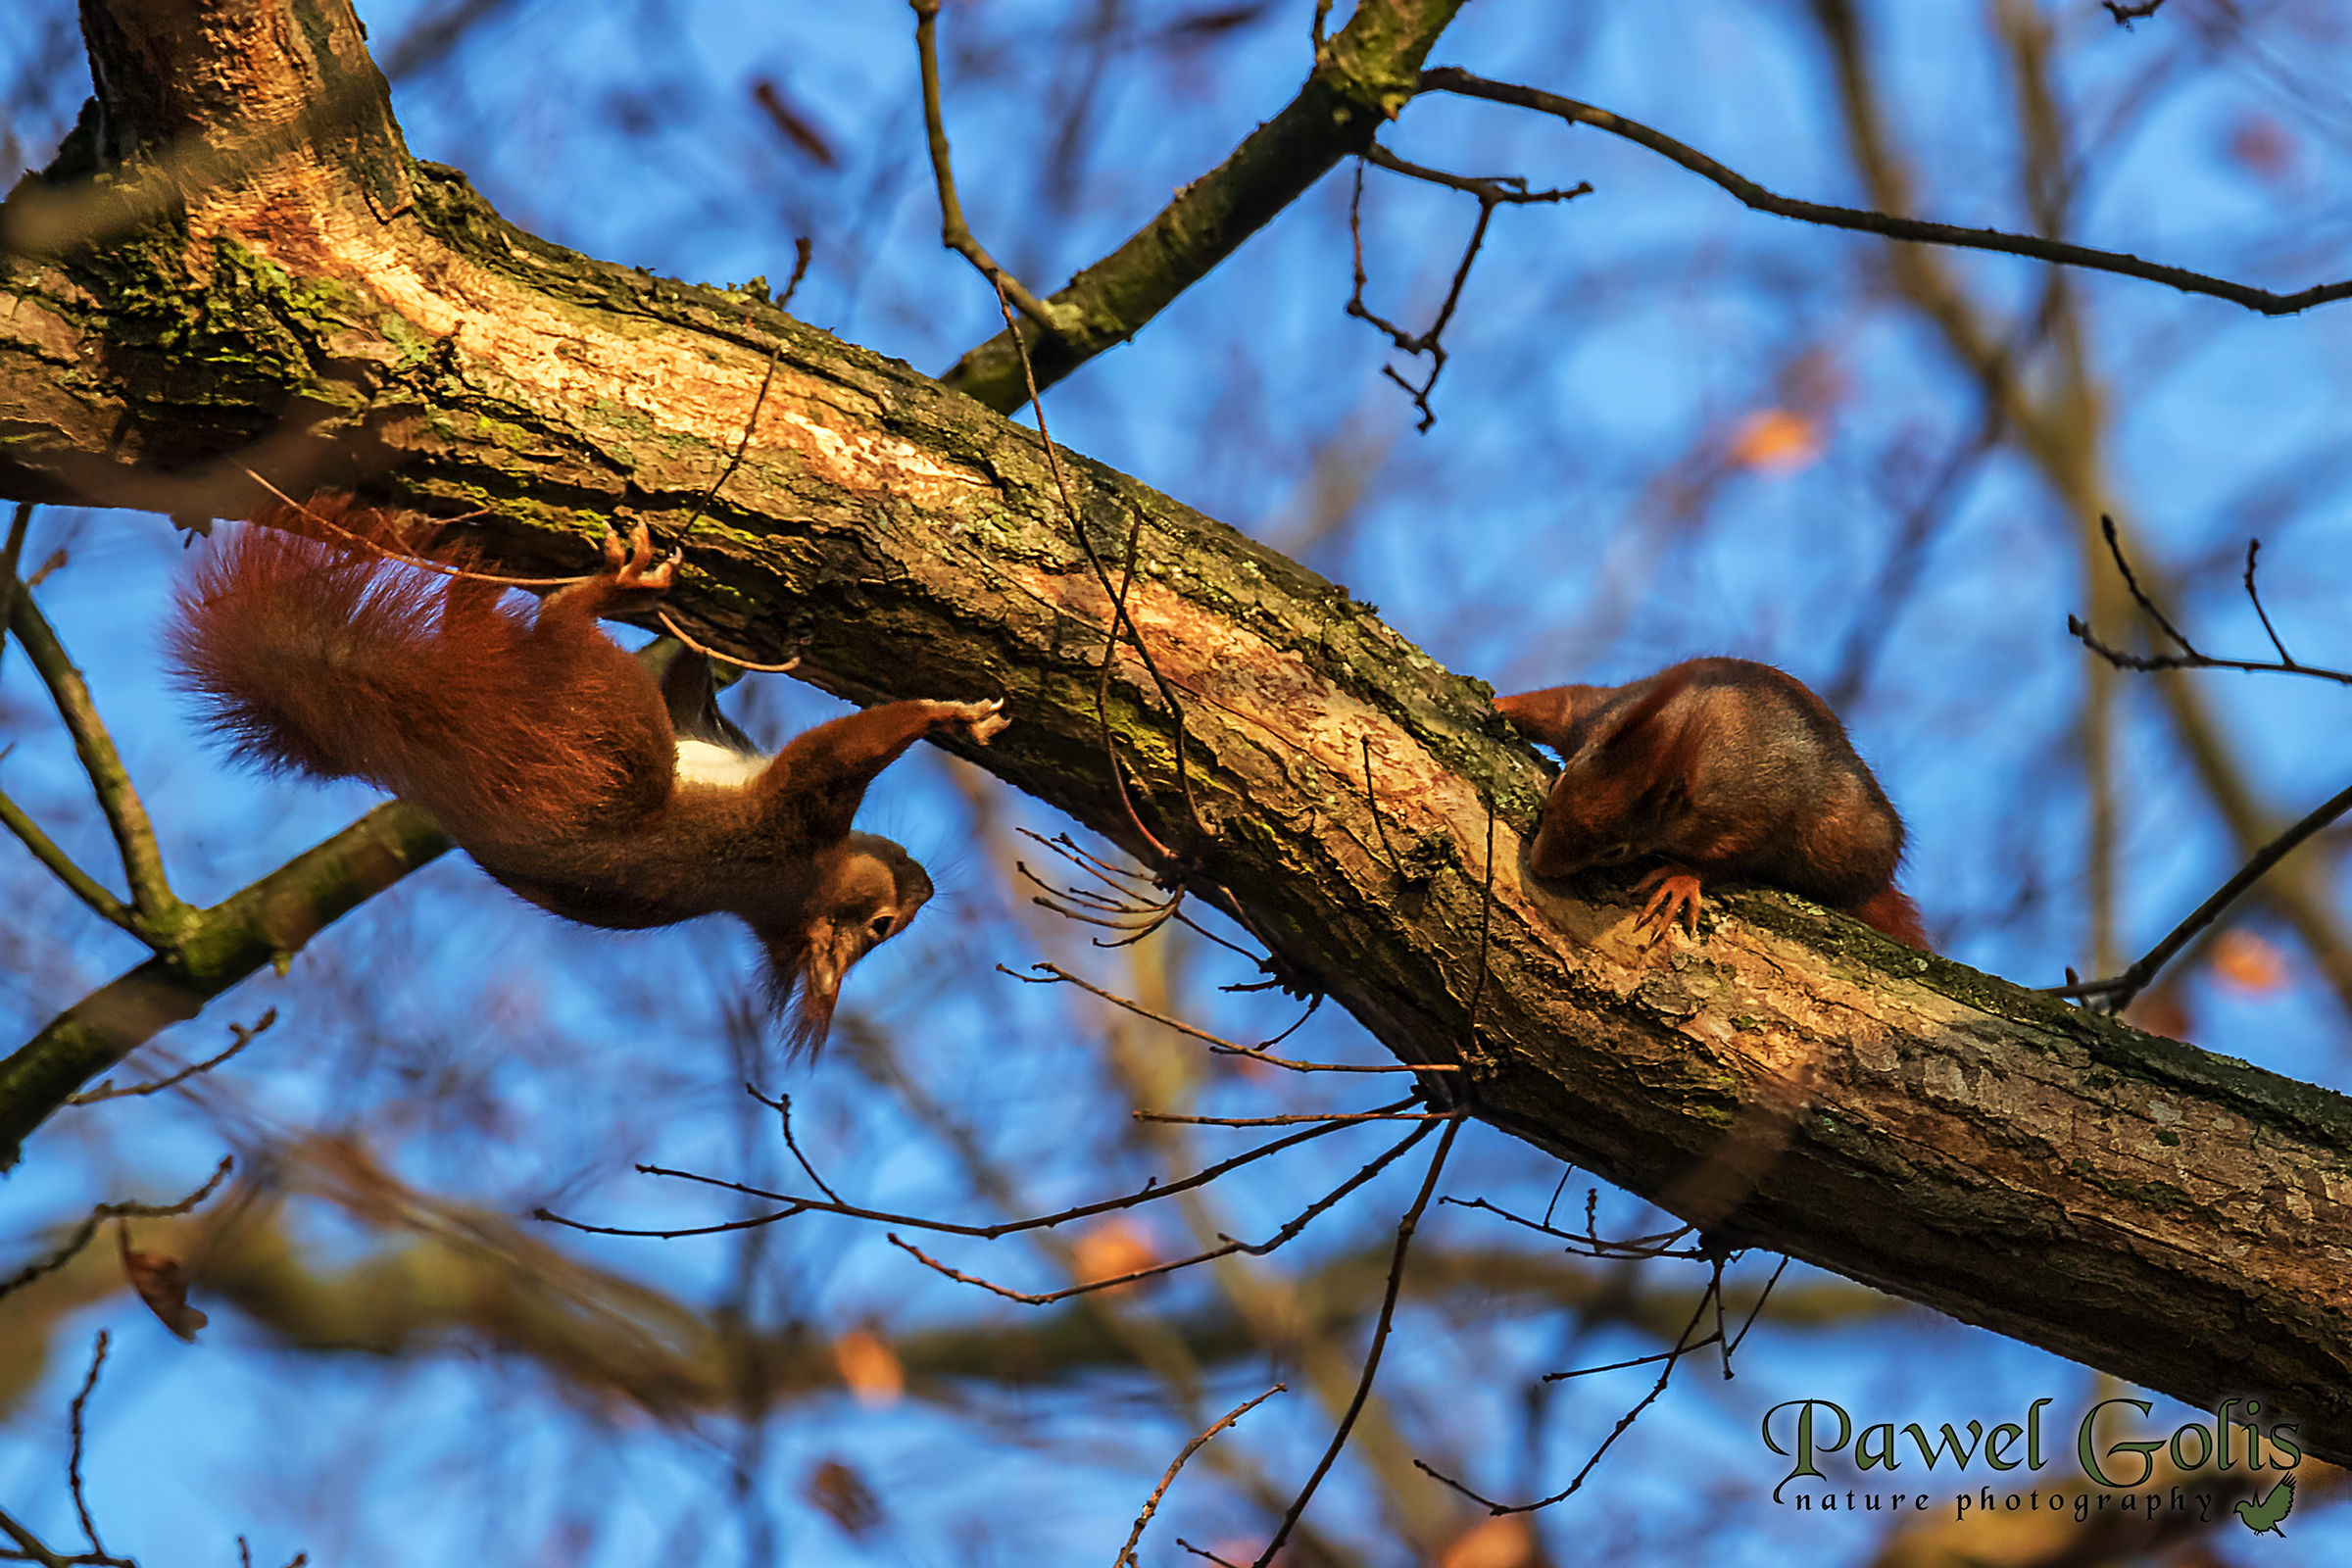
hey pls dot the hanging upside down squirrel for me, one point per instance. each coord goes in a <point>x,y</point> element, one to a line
<point>1719,768</point>
<point>547,751</point>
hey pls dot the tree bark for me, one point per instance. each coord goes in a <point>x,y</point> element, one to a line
<point>310,304</point>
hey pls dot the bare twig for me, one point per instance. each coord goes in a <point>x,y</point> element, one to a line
<point>1379,821</point>
<point>1590,1244</point>
<point>243,1034</point>
<point>782,1107</point>
<point>1485,921</point>
<point>2114,994</point>
<point>954,232</point>
<point>1223,1046</point>
<point>1150,1192</point>
<point>1684,1344</point>
<point>81,1505</point>
<point>1296,1119</point>
<point>1449,78</point>
<point>750,421</point>
<point>802,251</point>
<point>1491,191</point>
<point>672,626</point>
<point>1120,620</point>
<point>439,568</point>
<point>29,1547</point>
<point>2286,660</point>
<point>2190,656</point>
<point>1227,1246</point>
<point>1126,1556</point>
<point>1380,1340</point>
<point>99,1215</point>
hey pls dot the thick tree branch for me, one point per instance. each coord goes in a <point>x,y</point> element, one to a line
<point>1793,1080</point>
<point>263,924</point>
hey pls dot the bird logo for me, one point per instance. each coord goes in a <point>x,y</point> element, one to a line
<point>2263,1516</point>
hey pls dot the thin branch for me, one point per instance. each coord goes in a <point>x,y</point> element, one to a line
<point>29,1547</point>
<point>1119,620</point>
<point>782,1107</point>
<point>244,1035</point>
<point>2139,595</point>
<point>1150,1192</point>
<point>802,251</point>
<point>1590,1244</point>
<point>1294,1119</point>
<point>954,232</point>
<point>1379,823</point>
<point>1227,1246</point>
<point>1491,191</point>
<point>1380,1340</point>
<point>439,568</point>
<point>1684,1344</point>
<point>672,626</point>
<point>61,865</point>
<point>750,421</point>
<point>2116,994</point>
<point>1504,191</point>
<point>2190,656</point>
<point>1048,1298</point>
<point>1449,78</point>
<point>1126,1556</point>
<point>81,1505</point>
<point>2286,660</point>
<point>159,912</point>
<point>265,921</point>
<point>1486,921</point>
<point>1730,1343</point>
<point>1215,1042</point>
<point>99,1215</point>
<point>1362,75</point>
<point>12,553</point>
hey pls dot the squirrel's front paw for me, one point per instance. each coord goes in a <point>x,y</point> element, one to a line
<point>1677,894</point>
<point>632,564</point>
<point>978,721</point>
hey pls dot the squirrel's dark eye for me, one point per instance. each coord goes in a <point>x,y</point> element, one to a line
<point>1615,854</point>
<point>881,926</point>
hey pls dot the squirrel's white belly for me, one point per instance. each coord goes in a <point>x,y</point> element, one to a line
<point>701,763</point>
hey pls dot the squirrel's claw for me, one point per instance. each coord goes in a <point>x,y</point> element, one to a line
<point>1678,889</point>
<point>979,721</point>
<point>632,563</point>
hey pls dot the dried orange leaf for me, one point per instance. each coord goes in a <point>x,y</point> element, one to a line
<point>2246,962</point>
<point>839,1493</point>
<point>1775,441</point>
<point>1117,1245</point>
<point>869,1369</point>
<point>162,1284</point>
<point>1504,1543</point>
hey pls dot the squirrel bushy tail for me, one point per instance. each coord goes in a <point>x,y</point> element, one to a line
<point>316,655</point>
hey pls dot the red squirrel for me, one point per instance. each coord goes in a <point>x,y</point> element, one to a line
<point>545,751</point>
<point>1722,768</point>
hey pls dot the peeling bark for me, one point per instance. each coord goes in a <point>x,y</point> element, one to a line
<point>1790,1080</point>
